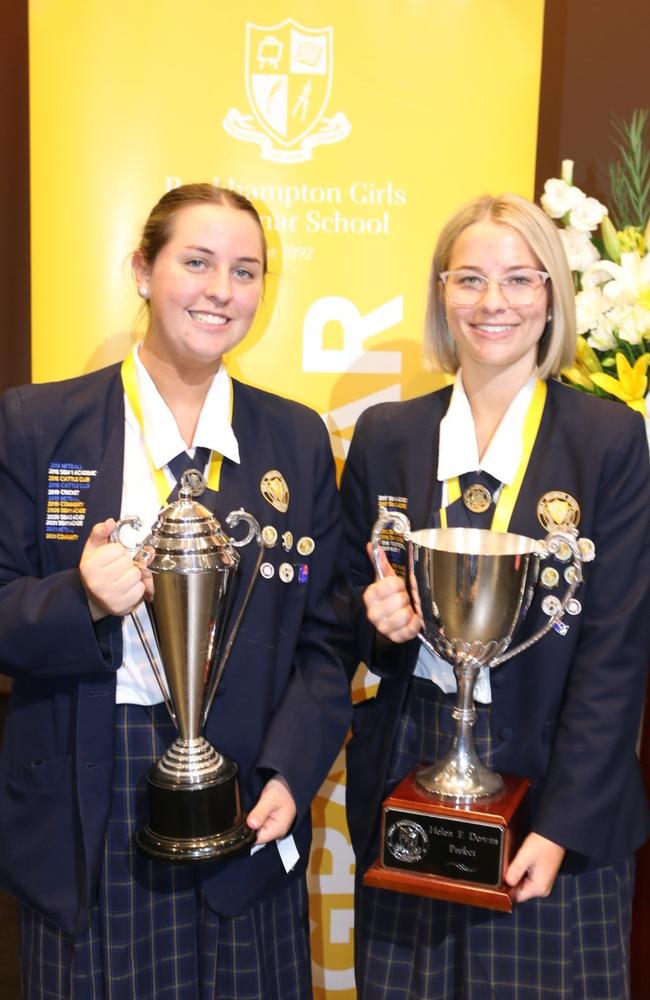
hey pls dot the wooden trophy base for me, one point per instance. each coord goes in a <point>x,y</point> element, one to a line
<point>460,853</point>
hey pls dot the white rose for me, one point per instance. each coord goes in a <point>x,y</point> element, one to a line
<point>590,306</point>
<point>579,249</point>
<point>588,215</point>
<point>560,197</point>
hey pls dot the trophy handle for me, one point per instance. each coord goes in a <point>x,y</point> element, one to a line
<point>387,519</point>
<point>144,554</point>
<point>564,545</point>
<point>402,524</point>
<point>254,532</point>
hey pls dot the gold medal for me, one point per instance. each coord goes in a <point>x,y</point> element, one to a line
<point>275,490</point>
<point>269,535</point>
<point>287,541</point>
<point>305,545</point>
<point>477,498</point>
<point>550,577</point>
<point>557,509</point>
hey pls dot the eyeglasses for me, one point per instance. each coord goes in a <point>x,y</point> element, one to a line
<point>520,288</point>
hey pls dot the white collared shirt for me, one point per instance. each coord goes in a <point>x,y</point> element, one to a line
<point>458,454</point>
<point>136,682</point>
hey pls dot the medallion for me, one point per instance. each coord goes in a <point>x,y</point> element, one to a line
<point>305,545</point>
<point>557,509</point>
<point>269,535</point>
<point>477,498</point>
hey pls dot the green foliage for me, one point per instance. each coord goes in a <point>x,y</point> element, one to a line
<point>629,176</point>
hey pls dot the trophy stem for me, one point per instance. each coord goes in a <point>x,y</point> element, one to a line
<point>461,775</point>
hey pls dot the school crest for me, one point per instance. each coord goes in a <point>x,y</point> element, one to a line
<point>288,78</point>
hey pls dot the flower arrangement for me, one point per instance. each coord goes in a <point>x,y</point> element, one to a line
<point>609,255</point>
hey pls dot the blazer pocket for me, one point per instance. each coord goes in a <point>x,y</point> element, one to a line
<point>36,775</point>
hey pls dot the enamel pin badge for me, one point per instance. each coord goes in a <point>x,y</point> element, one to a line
<point>557,509</point>
<point>275,491</point>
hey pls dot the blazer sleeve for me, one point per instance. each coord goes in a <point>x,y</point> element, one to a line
<point>593,774</point>
<point>309,725</point>
<point>45,625</point>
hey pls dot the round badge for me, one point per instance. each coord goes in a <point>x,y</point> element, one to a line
<point>557,509</point>
<point>305,545</point>
<point>269,536</point>
<point>563,552</point>
<point>550,577</point>
<point>587,549</point>
<point>407,840</point>
<point>266,570</point>
<point>574,607</point>
<point>193,482</point>
<point>286,572</point>
<point>477,498</point>
<point>571,575</point>
<point>551,606</point>
<point>287,541</point>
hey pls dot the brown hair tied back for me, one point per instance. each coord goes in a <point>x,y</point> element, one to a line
<point>157,228</point>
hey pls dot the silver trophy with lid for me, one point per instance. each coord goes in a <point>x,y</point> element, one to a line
<point>195,811</point>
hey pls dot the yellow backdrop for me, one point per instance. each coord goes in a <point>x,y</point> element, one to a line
<point>355,126</point>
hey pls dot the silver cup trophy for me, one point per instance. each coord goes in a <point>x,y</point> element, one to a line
<point>194,805</point>
<point>450,829</point>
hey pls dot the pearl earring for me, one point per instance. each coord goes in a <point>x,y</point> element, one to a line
<point>143,291</point>
<point>549,317</point>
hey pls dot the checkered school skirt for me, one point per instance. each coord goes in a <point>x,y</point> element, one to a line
<point>152,936</point>
<point>572,945</point>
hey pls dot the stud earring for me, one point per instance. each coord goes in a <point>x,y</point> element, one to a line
<point>143,292</point>
<point>549,317</point>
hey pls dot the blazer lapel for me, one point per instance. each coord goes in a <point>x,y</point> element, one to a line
<point>421,464</point>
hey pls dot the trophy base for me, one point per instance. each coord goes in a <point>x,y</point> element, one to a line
<point>458,853</point>
<point>202,822</point>
<point>230,844</point>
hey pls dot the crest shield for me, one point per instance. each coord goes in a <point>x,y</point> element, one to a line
<point>288,78</point>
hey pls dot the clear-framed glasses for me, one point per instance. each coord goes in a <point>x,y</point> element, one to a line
<point>519,288</point>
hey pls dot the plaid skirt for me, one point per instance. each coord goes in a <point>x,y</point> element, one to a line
<point>571,945</point>
<point>152,936</point>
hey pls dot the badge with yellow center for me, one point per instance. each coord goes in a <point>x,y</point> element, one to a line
<point>557,509</point>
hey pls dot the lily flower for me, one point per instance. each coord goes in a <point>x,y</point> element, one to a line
<point>610,239</point>
<point>587,356</point>
<point>631,384</point>
<point>627,282</point>
<point>585,364</point>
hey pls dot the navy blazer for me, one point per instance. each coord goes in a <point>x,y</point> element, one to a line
<point>282,704</point>
<point>566,712</point>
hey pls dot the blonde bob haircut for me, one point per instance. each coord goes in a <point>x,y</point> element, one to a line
<point>557,346</point>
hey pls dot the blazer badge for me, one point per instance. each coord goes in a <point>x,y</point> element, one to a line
<point>558,510</point>
<point>275,490</point>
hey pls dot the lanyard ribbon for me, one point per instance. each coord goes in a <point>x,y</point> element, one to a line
<point>510,491</point>
<point>163,487</point>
